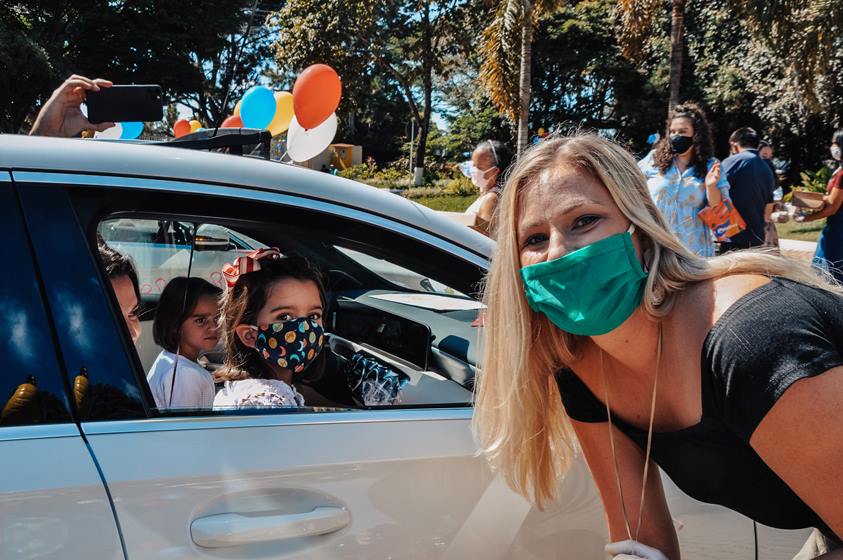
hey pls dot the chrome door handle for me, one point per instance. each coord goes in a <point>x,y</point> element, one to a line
<point>233,529</point>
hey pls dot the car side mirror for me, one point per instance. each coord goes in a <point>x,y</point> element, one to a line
<point>212,238</point>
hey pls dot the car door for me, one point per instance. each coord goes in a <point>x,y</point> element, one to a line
<point>394,482</point>
<point>53,503</point>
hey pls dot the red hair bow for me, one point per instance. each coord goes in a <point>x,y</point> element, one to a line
<point>248,263</point>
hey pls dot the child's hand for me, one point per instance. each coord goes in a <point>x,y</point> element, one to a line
<point>633,550</point>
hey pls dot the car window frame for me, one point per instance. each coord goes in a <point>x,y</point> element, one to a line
<point>252,194</point>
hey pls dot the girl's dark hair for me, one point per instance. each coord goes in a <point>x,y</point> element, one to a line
<point>703,145</point>
<point>241,305</point>
<point>501,154</point>
<point>176,304</point>
<point>116,264</point>
<point>837,137</point>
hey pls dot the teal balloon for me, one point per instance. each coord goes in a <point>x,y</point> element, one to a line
<point>258,107</point>
<point>131,130</point>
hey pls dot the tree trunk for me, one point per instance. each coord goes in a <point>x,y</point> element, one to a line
<point>524,81</point>
<point>677,50</point>
<point>427,82</point>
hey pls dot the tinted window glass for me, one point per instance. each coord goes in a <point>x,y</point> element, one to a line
<point>92,338</point>
<point>31,386</point>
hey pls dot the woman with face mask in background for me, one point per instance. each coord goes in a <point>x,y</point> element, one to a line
<point>829,254</point>
<point>683,177</point>
<point>489,163</point>
<point>605,334</point>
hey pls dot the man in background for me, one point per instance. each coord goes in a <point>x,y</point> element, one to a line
<point>751,186</point>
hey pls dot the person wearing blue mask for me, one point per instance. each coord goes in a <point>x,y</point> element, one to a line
<point>683,177</point>
<point>604,333</point>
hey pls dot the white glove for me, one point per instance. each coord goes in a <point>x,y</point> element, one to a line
<point>633,550</point>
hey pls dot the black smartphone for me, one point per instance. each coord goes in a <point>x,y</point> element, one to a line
<point>129,103</point>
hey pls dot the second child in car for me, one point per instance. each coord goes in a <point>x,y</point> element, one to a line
<point>271,325</point>
<point>185,326</point>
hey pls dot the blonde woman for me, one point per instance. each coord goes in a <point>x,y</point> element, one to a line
<point>591,298</point>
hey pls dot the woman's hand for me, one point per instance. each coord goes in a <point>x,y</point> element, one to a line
<point>632,550</point>
<point>713,176</point>
<point>61,114</point>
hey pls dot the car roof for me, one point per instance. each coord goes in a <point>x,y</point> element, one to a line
<point>63,155</point>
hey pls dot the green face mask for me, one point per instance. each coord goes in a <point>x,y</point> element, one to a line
<point>590,291</point>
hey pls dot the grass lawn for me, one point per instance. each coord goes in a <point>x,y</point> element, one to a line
<point>450,203</point>
<point>805,231</point>
<point>458,203</point>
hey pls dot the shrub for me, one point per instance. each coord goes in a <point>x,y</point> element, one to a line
<point>815,181</point>
<point>461,186</point>
<point>362,172</point>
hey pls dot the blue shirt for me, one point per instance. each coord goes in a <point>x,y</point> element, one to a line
<point>751,184</point>
<point>680,196</point>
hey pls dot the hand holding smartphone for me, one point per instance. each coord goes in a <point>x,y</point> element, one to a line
<point>125,103</point>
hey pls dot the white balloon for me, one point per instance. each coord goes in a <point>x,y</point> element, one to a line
<point>115,132</point>
<point>303,145</point>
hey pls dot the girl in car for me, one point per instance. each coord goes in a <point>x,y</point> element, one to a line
<point>185,326</point>
<point>271,324</point>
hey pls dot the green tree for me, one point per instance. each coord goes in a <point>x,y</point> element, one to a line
<point>581,80</point>
<point>637,18</point>
<point>410,42</point>
<point>188,51</point>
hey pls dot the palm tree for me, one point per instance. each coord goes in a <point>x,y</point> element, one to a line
<point>637,18</point>
<point>505,74</point>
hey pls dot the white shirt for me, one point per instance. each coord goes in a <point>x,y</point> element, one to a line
<point>477,204</point>
<point>194,386</point>
<point>248,393</point>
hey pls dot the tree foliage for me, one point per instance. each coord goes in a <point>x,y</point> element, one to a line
<point>406,43</point>
<point>185,48</point>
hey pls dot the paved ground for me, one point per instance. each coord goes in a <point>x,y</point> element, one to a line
<point>802,250</point>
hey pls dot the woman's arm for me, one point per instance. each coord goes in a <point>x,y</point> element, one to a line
<point>832,205</point>
<point>657,528</point>
<point>801,440</point>
<point>487,207</point>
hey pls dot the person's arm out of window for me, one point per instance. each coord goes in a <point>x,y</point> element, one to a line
<point>657,529</point>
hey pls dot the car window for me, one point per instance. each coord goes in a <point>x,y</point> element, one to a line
<point>399,275</point>
<point>394,332</point>
<point>31,387</point>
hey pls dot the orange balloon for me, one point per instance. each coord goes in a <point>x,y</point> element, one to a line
<point>181,127</point>
<point>232,122</point>
<point>237,109</point>
<point>316,95</point>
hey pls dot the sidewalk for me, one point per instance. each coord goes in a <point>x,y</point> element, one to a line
<point>795,249</point>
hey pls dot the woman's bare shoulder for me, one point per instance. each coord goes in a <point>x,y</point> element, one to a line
<point>711,298</point>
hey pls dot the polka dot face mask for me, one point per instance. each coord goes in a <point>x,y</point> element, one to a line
<point>291,345</point>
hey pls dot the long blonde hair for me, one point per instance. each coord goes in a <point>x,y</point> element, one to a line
<point>519,419</point>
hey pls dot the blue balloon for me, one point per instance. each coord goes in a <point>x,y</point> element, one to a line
<point>131,130</point>
<point>258,107</point>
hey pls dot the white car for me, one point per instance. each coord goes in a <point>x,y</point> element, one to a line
<point>91,469</point>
